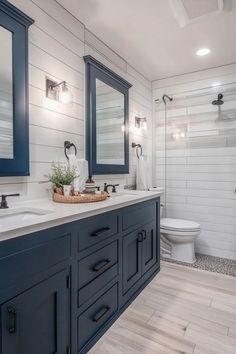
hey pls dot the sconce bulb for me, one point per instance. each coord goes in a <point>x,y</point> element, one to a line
<point>141,122</point>
<point>65,95</point>
<point>123,128</point>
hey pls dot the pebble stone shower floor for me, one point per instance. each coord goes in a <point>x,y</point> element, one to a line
<point>210,263</point>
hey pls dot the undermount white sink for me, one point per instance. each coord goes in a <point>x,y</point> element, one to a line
<point>122,195</point>
<point>14,216</point>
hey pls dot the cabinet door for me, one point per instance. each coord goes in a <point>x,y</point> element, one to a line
<point>149,247</point>
<point>132,251</point>
<point>36,321</point>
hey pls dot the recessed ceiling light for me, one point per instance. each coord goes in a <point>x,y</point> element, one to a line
<point>203,51</point>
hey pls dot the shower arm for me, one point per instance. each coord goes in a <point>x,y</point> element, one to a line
<point>164,97</point>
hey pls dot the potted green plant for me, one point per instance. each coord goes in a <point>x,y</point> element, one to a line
<point>62,178</point>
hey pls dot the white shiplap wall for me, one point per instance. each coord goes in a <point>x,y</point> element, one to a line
<point>198,170</point>
<point>58,42</point>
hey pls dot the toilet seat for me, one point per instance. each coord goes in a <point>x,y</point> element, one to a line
<point>179,233</point>
<point>179,225</point>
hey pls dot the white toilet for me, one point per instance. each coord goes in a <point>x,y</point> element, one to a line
<point>180,235</point>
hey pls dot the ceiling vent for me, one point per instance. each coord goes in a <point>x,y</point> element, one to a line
<point>186,11</point>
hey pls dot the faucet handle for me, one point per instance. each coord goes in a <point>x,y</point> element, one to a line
<point>110,185</point>
<point>114,188</point>
<point>3,204</point>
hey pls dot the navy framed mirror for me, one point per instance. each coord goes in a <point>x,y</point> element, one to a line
<point>14,135</point>
<point>107,119</point>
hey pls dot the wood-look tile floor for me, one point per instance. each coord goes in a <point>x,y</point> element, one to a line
<point>183,310</point>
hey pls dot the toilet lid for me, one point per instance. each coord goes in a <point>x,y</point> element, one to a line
<point>179,224</point>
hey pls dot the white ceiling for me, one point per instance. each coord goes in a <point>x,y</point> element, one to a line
<point>147,34</point>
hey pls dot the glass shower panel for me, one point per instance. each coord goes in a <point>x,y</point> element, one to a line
<point>200,166</point>
<point>160,149</point>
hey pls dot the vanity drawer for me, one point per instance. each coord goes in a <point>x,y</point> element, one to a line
<point>97,263</point>
<point>29,262</point>
<point>97,315</point>
<point>97,229</point>
<point>96,270</point>
<point>136,216</point>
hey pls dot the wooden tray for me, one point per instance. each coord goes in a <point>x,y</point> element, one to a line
<point>81,198</point>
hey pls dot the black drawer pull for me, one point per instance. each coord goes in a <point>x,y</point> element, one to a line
<point>144,232</point>
<point>13,314</point>
<point>101,265</point>
<point>101,313</point>
<point>100,232</point>
<point>140,237</point>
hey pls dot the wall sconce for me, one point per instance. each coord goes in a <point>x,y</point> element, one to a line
<point>58,91</point>
<point>141,122</point>
<point>179,135</point>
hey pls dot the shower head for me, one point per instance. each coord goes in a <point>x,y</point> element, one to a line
<point>164,97</point>
<point>219,100</point>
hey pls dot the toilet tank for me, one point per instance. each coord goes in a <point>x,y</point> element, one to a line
<point>162,190</point>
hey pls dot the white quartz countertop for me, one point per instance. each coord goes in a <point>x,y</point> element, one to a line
<point>57,214</point>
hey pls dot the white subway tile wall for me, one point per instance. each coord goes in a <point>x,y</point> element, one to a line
<point>57,44</point>
<point>195,155</point>
<point>198,166</point>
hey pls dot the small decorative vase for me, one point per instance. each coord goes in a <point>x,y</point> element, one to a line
<point>67,190</point>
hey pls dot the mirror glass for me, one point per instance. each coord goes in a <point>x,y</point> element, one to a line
<point>110,125</point>
<point>6,95</point>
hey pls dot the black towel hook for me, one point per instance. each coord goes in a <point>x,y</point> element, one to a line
<point>138,146</point>
<point>68,145</point>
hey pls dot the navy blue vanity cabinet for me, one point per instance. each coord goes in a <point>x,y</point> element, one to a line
<point>139,254</point>
<point>63,287</point>
<point>140,248</point>
<point>35,293</point>
<point>36,321</point>
<point>104,294</point>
